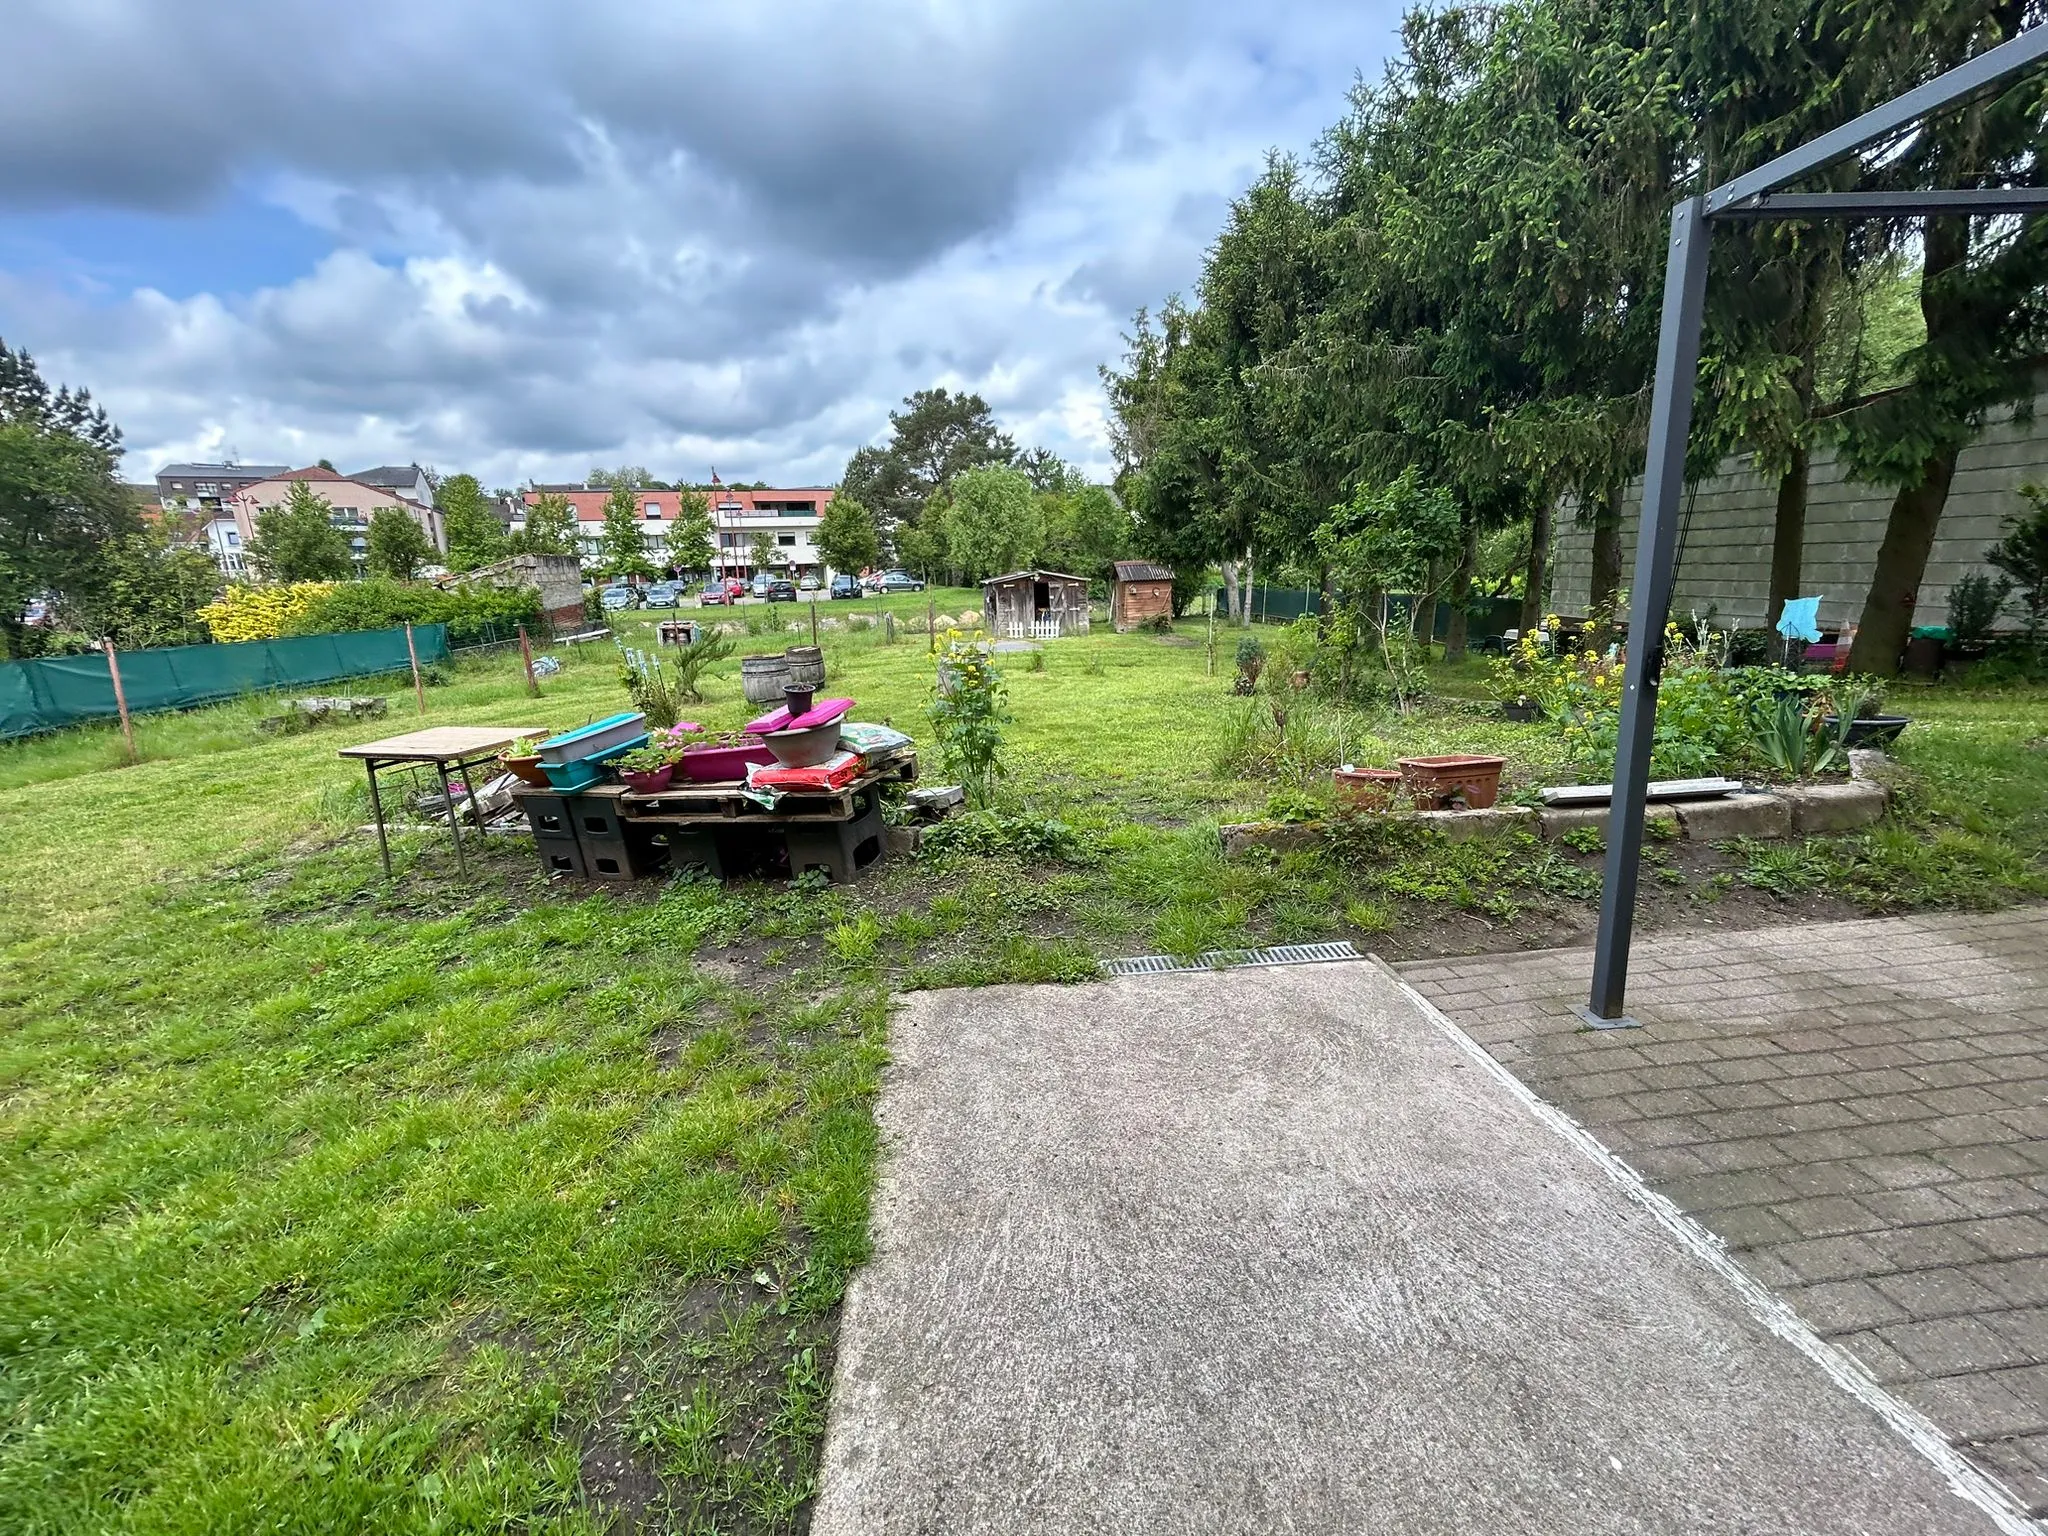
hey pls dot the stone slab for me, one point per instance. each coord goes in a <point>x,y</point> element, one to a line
<point>1268,1250</point>
<point>1552,822</point>
<point>1833,807</point>
<point>1755,815</point>
<point>1494,821</point>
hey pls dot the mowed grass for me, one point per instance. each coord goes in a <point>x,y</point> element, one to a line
<point>485,1203</point>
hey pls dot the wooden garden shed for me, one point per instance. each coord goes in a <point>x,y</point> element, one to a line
<point>1141,593</point>
<point>1035,605</point>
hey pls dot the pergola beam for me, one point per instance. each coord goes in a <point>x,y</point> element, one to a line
<point>1991,67</point>
<point>1754,195</point>
<point>1854,205</point>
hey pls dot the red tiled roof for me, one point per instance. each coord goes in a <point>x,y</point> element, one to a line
<point>317,472</point>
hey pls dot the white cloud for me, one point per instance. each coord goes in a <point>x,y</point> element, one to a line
<point>725,236</point>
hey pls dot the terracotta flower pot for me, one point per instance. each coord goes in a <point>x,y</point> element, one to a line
<point>526,768</point>
<point>650,782</point>
<point>1366,789</point>
<point>1453,781</point>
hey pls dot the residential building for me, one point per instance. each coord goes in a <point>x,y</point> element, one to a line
<point>208,487</point>
<point>407,480</point>
<point>789,517</point>
<point>353,503</point>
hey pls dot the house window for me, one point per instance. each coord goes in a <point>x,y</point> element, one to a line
<point>654,509</point>
<point>786,540</point>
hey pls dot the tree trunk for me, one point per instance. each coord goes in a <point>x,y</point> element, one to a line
<point>1425,606</point>
<point>1251,580</point>
<point>1901,562</point>
<point>1324,600</point>
<point>1458,636</point>
<point>1231,600</point>
<point>1539,561</point>
<point>1788,537</point>
<point>1606,581</point>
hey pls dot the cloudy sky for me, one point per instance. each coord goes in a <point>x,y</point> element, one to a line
<point>524,239</point>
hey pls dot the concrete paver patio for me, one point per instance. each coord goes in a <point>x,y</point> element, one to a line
<point>1275,1250</point>
<point>1860,1110</point>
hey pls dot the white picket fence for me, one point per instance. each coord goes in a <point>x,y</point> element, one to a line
<point>1043,629</point>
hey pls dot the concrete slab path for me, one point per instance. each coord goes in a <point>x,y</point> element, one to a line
<point>1278,1251</point>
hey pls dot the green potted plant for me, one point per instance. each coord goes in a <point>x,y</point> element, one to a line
<point>1856,715</point>
<point>647,770</point>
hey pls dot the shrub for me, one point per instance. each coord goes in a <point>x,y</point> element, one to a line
<point>247,611</point>
<point>1974,603</point>
<point>474,614</point>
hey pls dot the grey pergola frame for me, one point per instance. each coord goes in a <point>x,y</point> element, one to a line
<point>1754,195</point>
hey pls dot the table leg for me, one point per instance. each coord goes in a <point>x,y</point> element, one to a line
<point>454,826</point>
<point>377,811</point>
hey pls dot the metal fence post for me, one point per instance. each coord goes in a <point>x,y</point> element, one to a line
<point>1678,362</point>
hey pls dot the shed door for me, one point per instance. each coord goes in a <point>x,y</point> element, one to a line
<point>1041,598</point>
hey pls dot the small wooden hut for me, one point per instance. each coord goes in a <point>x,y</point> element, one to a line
<point>1141,593</point>
<point>1035,605</point>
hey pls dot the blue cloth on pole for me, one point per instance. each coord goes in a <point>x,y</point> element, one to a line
<point>1801,619</point>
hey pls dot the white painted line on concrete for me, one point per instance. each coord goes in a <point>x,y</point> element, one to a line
<point>1908,1422</point>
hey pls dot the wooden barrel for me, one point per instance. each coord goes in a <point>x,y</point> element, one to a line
<point>762,678</point>
<point>806,666</point>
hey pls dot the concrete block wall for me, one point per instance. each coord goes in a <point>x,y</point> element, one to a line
<point>1725,558</point>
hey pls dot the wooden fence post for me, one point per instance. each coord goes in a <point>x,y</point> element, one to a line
<point>419,689</point>
<point>121,700</point>
<point>931,626</point>
<point>526,655</point>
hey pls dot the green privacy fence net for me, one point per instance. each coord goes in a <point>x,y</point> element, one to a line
<point>58,691</point>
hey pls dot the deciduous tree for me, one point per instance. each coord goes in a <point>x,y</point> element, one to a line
<point>993,525</point>
<point>297,540</point>
<point>847,539</point>
<point>475,536</point>
<point>398,546</point>
<point>622,547</point>
<point>550,527</point>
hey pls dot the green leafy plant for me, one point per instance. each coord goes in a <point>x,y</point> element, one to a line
<point>988,833</point>
<point>2023,556</point>
<point>1789,736</point>
<point>1251,661</point>
<point>968,712</point>
<point>653,690</point>
<point>661,751</point>
<point>691,663</point>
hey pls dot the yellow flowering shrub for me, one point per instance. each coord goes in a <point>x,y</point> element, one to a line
<point>250,612</point>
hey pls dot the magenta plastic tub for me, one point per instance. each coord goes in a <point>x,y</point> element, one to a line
<point>717,765</point>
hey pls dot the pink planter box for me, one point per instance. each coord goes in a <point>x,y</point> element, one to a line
<point>718,765</point>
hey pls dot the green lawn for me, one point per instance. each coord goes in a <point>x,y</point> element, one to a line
<point>450,1205</point>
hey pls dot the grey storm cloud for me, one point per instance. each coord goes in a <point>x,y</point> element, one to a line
<point>564,231</point>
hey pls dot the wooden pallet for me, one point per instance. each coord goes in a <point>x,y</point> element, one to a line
<point>721,804</point>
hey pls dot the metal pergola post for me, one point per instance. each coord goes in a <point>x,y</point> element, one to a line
<point>1754,195</point>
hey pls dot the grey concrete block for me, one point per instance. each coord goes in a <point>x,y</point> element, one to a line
<point>1834,807</point>
<point>1736,816</point>
<point>902,842</point>
<point>1271,836</point>
<point>1463,826</point>
<point>1553,822</point>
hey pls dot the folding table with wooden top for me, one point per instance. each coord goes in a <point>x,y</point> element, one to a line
<point>446,747</point>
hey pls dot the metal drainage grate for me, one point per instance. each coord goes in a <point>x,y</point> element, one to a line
<point>1232,959</point>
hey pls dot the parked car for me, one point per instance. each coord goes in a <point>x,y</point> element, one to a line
<point>845,585</point>
<point>715,592</point>
<point>734,587</point>
<point>616,598</point>
<point>780,590</point>
<point>760,583</point>
<point>664,594</point>
<point>899,581</point>
<point>809,583</point>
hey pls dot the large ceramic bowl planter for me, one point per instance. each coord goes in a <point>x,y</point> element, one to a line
<point>1366,789</point>
<point>1869,730</point>
<point>526,768</point>
<point>1453,781</point>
